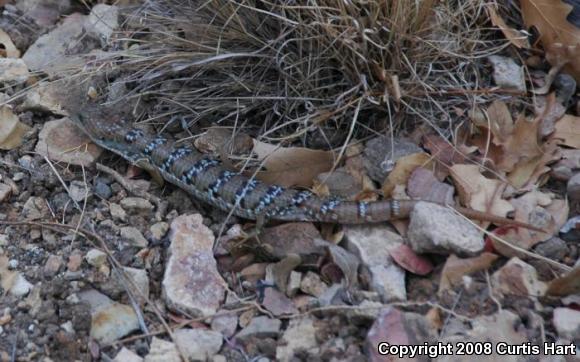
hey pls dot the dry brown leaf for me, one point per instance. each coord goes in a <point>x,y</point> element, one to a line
<point>403,169</point>
<point>7,276</point>
<point>291,166</point>
<point>567,131</point>
<point>501,122</point>
<point>527,174</point>
<point>522,145</point>
<point>11,129</point>
<point>565,285</point>
<point>515,37</point>
<point>455,268</point>
<point>8,46</point>
<point>556,33</point>
<point>479,192</point>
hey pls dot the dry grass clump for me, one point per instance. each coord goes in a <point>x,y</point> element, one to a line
<point>292,68</point>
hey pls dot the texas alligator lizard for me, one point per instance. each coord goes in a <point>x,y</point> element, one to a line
<point>204,177</point>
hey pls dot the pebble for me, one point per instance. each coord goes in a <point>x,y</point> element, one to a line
<point>136,204</point>
<point>299,336</point>
<point>18,176</point>
<point>312,284</point>
<point>20,286</point>
<point>567,323</point>
<point>103,190</point>
<point>158,230</point>
<point>5,192</point>
<point>197,344</point>
<point>134,236</point>
<point>78,191</point>
<point>162,351</point>
<point>52,265</point>
<point>117,212</point>
<point>96,257</point>
<point>507,74</point>
<point>3,239</point>
<point>126,355</point>
<point>573,188</point>
<point>517,278</point>
<point>260,327</point>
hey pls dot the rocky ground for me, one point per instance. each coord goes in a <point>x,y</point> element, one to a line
<point>98,261</point>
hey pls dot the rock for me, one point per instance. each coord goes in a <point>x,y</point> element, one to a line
<point>162,351</point>
<point>140,280</point>
<point>20,286</point>
<point>62,141</point>
<point>340,183</point>
<point>372,245</point>
<point>96,257</point>
<point>277,303</point>
<point>567,323</point>
<point>381,154</point>
<point>35,208</point>
<point>13,70</point>
<point>564,169</point>
<point>517,278</point>
<point>79,191</point>
<point>291,238</point>
<point>225,322</point>
<point>260,327</point>
<point>3,239</point>
<point>110,320</point>
<point>553,248</point>
<point>312,284</point>
<point>52,265</point>
<point>44,98</point>
<point>365,312</point>
<point>192,282</point>
<point>437,229</point>
<point>43,12</point>
<point>507,74</point>
<point>299,336</point>
<point>103,20</point>
<point>5,192</point>
<point>126,355</point>
<point>134,236</point>
<point>74,261</point>
<point>395,327</point>
<point>573,188</point>
<point>136,204</point>
<point>117,212</point>
<point>197,344</point>
<point>103,190</point>
<point>53,53</point>
<point>158,230</point>
<point>293,285</point>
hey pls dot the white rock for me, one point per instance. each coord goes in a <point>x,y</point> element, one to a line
<point>507,74</point>
<point>162,351</point>
<point>192,282</point>
<point>103,20</point>
<point>372,245</point>
<point>51,53</point>
<point>299,336</point>
<point>20,287</point>
<point>110,320</point>
<point>79,191</point>
<point>96,257</point>
<point>437,229</point>
<point>126,355</point>
<point>198,344</point>
<point>158,230</point>
<point>117,212</point>
<point>260,327</point>
<point>134,236</point>
<point>62,141</point>
<point>567,323</point>
<point>13,70</point>
<point>136,204</point>
<point>139,278</point>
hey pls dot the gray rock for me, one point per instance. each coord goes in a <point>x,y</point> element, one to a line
<point>225,323</point>
<point>198,344</point>
<point>43,12</point>
<point>103,21</point>
<point>299,336</point>
<point>260,327</point>
<point>134,236</point>
<point>437,229</point>
<point>13,70</point>
<point>110,320</point>
<point>507,74</point>
<point>517,278</point>
<point>553,248</point>
<point>158,230</point>
<point>79,191</point>
<point>312,284</point>
<point>20,286</point>
<point>126,355</point>
<point>103,190</point>
<point>35,208</point>
<point>5,192</point>
<point>192,282</point>
<point>381,154</point>
<point>96,257</point>
<point>54,52</point>
<point>136,204</point>
<point>162,351</point>
<point>372,245</point>
<point>567,323</point>
<point>573,188</point>
<point>117,212</point>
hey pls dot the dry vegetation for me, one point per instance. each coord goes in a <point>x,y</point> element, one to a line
<point>346,68</point>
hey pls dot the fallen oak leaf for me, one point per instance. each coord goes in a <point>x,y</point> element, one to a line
<point>455,268</point>
<point>567,131</point>
<point>565,285</point>
<point>403,170</point>
<point>409,260</point>
<point>12,130</point>
<point>291,166</point>
<point>515,37</point>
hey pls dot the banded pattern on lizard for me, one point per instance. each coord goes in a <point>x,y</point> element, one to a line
<point>205,177</point>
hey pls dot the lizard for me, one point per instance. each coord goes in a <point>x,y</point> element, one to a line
<point>206,178</point>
